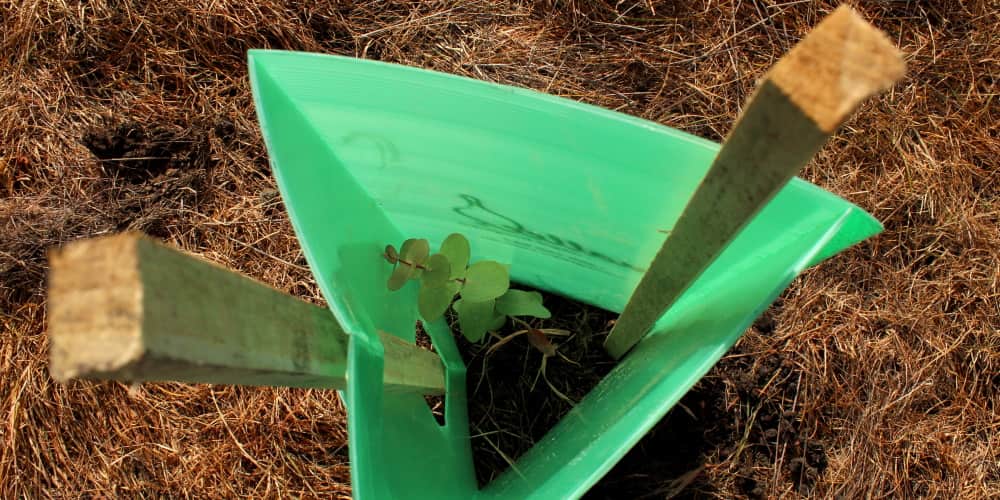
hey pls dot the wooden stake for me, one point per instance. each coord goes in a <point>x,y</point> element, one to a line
<point>127,308</point>
<point>801,102</point>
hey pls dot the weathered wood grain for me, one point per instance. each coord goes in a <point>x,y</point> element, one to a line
<point>800,103</point>
<point>127,308</point>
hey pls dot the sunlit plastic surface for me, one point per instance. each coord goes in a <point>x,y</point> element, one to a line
<point>575,198</point>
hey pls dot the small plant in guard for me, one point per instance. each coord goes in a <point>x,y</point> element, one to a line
<point>485,297</point>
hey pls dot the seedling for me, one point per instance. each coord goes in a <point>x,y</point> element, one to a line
<point>539,339</point>
<point>485,297</point>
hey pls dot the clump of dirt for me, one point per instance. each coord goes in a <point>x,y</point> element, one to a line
<point>135,154</point>
<point>742,414</point>
<point>153,172</point>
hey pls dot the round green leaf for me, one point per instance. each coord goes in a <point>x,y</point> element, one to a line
<point>432,302</point>
<point>390,254</point>
<point>485,280</point>
<point>437,271</point>
<point>415,251</point>
<point>474,318</point>
<point>521,303</point>
<point>456,248</point>
<point>399,276</point>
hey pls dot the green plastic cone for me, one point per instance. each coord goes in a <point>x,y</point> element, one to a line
<point>573,197</point>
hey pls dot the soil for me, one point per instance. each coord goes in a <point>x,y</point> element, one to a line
<point>742,413</point>
<point>510,405</point>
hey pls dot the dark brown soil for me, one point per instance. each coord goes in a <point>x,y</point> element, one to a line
<point>510,405</point>
<point>742,412</point>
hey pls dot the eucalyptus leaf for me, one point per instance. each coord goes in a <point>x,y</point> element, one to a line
<point>390,254</point>
<point>437,271</point>
<point>521,303</point>
<point>456,248</point>
<point>474,318</point>
<point>415,251</point>
<point>453,288</point>
<point>432,302</point>
<point>498,321</point>
<point>399,276</point>
<point>485,280</point>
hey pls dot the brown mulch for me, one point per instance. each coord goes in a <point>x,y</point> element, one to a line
<point>137,115</point>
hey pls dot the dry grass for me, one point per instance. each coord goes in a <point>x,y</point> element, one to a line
<point>898,340</point>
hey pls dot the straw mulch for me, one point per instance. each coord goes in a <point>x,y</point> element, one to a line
<point>137,115</point>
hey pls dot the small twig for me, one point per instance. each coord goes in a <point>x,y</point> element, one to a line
<point>243,451</point>
<point>503,455</point>
<point>563,356</point>
<point>137,158</point>
<point>504,340</point>
<point>553,388</point>
<point>675,487</point>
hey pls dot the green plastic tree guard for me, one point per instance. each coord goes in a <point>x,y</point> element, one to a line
<point>574,197</point>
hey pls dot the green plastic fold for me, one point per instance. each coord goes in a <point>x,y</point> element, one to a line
<point>575,198</point>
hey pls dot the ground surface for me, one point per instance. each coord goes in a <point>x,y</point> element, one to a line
<point>511,404</point>
<point>879,373</point>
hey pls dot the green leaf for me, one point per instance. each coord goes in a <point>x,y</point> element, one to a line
<point>432,302</point>
<point>437,271</point>
<point>399,276</point>
<point>498,321</point>
<point>474,318</point>
<point>521,303</point>
<point>485,280</point>
<point>415,251</point>
<point>456,248</point>
<point>390,254</point>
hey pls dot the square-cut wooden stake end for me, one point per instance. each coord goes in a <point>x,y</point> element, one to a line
<point>840,63</point>
<point>94,306</point>
<point>799,104</point>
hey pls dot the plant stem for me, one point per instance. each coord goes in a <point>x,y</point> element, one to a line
<point>418,266</point>
<point>522,322</point>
